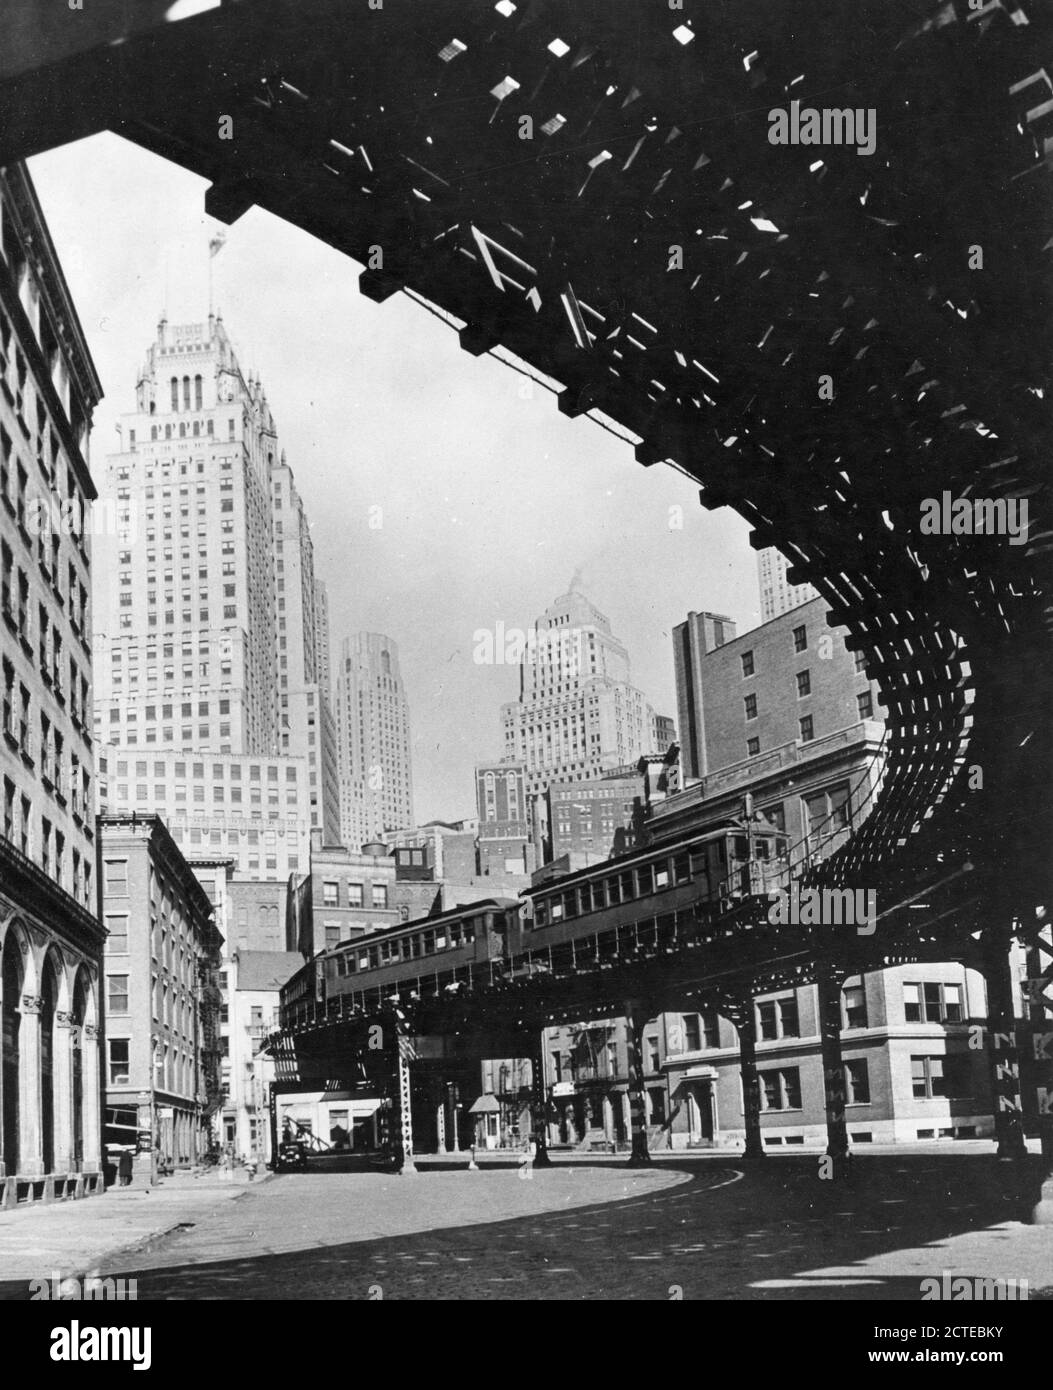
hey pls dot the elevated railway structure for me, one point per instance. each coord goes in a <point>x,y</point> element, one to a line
<point>824,338</point>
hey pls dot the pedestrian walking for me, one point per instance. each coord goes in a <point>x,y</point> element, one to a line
<point>124,1168</point>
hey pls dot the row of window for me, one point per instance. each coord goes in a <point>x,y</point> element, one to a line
<point>451,937</point>
<point>355,894</point>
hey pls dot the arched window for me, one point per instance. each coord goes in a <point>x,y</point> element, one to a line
<point>197,393</point>
<point>153,431</point>
<point>175,393</point>
<point>186,393</point>
<point>197,427</point>
<point>168,431</point>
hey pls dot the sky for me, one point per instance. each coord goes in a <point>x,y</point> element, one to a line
<point>490,499</point>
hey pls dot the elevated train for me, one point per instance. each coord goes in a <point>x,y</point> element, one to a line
<point>648,897</point>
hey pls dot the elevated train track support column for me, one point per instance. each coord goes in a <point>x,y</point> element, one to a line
<point>828,982</point>
<point>403,1098</point>
<point>740,1010</point>
<point>1003,1049</point>
<point>637,1012</point>
<point>539,1098</point>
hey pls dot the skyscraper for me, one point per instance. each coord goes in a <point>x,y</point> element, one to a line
<point>376,778</point>
<point>578,714</point>
<point>306,720</point>
<point>206,677</point>
<point>776,594</point>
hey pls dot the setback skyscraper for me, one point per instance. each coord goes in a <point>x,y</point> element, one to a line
<point>376,778</point>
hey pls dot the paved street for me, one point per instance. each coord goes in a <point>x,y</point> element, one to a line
<point>708,1227</point>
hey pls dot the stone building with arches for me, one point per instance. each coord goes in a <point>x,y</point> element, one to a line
<point>50,936</point>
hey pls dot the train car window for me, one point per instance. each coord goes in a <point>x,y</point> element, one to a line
<point>581,899</point>
<point>628,887</point>
<point>440,940</point>
<point>374,960</point>
<point>428,943</point>
<point>763,849</point>
<point>467,934</point>
<point>661,876</point>
<point>597,894</point>
<point>363,960</point>
<point>780,848</point>
<point>540,913</point>
<point>722,851</point>
<point>389,951</point>
<point>681,868</point>
<point>570,904</point>
<point>557,909</point>
<point>645,879</point>
<point>741,847</point>
<point>614,890</point>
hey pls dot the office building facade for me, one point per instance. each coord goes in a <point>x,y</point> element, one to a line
<point>50,936</point>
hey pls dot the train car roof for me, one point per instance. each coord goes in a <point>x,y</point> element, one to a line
<point>734,825</point>
<point>420,924</point>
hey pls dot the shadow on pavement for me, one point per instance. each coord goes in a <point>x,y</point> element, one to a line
<point>778,1232</point>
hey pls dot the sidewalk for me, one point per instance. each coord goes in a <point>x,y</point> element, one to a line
<point>70,1238</point>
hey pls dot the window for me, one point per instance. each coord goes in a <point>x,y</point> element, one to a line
<point>865,704</point>
<point>857,1082</point>
<point>752,747</point>
<point>804,684</point>
<point>119,1064</point>
<point>941,1076</point>
<point>932,1003</point>
<point>781,1089</point>
<point>777,1018</point>
<point>750,704</point>
<point>855,1006</point>
<point>380,895</point>
<point>800,639</point>
<point>117,994</point>
<point>807,729</point>
<point>692,1033</point>
<point>747,664</point>
<point>117,927</point>
<point>354,895</point>
<point>861,661</point>
<point>115,877</point>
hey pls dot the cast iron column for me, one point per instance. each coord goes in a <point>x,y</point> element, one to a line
<point>828,982</point>
<point>636,1015</point>
<point>747,1027</point>
<point>1004,1053</point>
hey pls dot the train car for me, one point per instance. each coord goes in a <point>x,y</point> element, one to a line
<point>713,870</point>
<point>362,971</point>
